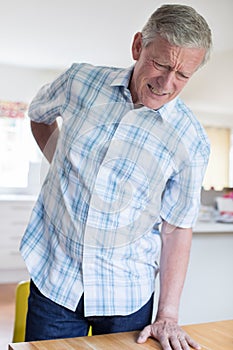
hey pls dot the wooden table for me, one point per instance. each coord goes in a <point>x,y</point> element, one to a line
<point>211,336</point>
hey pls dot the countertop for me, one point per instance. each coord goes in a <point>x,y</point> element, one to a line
<point>213,227</point>
<point>211,336</point>
<point>17,198</point>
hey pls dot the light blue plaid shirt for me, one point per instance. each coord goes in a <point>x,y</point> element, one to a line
<point>117,171</point>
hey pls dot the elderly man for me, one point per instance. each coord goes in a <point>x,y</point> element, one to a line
<point>130,157</point>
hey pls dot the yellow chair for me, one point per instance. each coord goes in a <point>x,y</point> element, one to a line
<point>21,307</point>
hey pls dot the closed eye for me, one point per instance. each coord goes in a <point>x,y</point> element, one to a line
<point>159,66</point>
<point>163,68</point>
<point>182,76</point>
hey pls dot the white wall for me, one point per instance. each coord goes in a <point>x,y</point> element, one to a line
<point>19,83</point>
<point>208,290</point>
<point>209,92</point>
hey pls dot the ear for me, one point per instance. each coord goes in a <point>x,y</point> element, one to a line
<point>137,46</point>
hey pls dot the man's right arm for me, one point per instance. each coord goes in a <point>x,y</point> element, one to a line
<point>46,137</point>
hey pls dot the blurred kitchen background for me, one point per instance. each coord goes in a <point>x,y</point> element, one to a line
<point>40,39</point>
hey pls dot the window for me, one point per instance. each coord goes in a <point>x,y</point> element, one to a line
<point>218,171</point>
<point>19,154</point>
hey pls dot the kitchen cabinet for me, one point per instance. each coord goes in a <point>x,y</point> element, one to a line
<point>14,215</point>
<point>208,289</point>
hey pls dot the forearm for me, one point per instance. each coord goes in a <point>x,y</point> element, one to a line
<point>46,137</point>
<point>176,243</point>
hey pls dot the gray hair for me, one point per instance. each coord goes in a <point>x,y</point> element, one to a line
<point>181,26</point>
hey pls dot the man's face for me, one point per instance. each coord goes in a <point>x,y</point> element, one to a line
<point>161,70</point>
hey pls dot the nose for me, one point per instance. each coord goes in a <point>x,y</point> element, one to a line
<point>167,80</point>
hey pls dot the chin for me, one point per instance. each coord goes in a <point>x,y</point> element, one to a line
<point>153,105</point>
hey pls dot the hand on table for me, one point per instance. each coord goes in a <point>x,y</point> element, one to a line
<point>169,334</point>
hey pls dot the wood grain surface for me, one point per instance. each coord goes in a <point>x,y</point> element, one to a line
<point>211,336</point>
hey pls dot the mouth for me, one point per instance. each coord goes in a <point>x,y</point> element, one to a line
<point>154,91</point>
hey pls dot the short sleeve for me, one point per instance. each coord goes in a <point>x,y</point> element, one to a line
<point>47,104</point>
<point>181,197</point>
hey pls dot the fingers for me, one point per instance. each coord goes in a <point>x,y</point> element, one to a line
<point>192,343</point>
<point>144,335</point>
<point>176,342</point>
<point>179,341</point>
<point>170,336</point>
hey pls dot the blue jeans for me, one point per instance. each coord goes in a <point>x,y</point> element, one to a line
<point>48,320</point>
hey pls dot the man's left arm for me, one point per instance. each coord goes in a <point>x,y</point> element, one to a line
<point>176,244</point>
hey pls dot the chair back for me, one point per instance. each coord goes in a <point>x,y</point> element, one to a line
<point>21,307</point>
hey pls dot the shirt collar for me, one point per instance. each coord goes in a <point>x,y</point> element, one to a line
<point>122,78</point>
<point>167,109</point>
